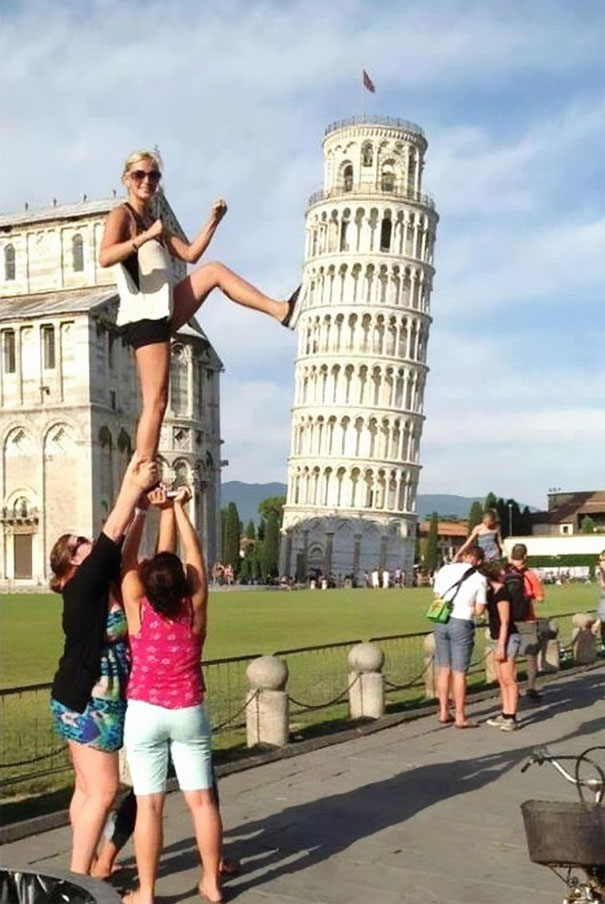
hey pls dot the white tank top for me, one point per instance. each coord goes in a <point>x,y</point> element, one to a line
<point>151,299</point>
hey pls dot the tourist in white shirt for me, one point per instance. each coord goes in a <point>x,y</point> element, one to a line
<point>465,588</point>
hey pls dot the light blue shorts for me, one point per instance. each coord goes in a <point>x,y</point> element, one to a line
<point>151,731</point>
<point>454,644</point>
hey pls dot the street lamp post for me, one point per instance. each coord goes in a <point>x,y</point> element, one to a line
<point>510,519</point>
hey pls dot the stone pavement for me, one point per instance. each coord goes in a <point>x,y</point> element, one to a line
<point>415,813</point>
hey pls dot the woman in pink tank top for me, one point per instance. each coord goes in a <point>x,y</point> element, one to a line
<point>166,607</point>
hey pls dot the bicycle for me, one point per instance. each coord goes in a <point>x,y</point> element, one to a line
<point>570,836</point>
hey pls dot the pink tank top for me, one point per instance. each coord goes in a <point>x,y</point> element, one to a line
<point>166,659</point>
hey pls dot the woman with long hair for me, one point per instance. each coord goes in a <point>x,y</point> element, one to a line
<point>505,643</point>
<point>88,698</point>
<point>166,606</point>
<point>153,308</point>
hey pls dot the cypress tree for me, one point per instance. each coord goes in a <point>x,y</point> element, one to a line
<point>491,502</point>
<point>475,515</point>
<point>431,559</point>
<point>270,550</point>
<point>232,537</point>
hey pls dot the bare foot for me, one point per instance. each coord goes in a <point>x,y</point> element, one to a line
<point>210,892</point>
<point>446,719</point>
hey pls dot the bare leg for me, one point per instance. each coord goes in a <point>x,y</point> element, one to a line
<point>209,837</point>
<point>459,685</point>
<point>531,661</point>
<point>148,840</point>
<point>443,693</point>
<point>509,688</point>
<point>192,291</point>
<point>98,773</point>
<point>153,365</point>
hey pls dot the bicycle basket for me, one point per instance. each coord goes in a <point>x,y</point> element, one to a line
<point>564,834</point>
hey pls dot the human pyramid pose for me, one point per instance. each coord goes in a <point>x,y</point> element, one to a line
<point>153,308</point>
<point>117,612</point>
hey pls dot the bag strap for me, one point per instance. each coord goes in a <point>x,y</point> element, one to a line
<point>459,584</point>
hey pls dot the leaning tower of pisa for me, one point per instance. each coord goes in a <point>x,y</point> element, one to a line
<point>361,366</point>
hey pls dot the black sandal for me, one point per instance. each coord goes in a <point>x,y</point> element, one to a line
<point>294,301</point>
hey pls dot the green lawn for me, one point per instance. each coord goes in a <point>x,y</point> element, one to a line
<point>244,622</point>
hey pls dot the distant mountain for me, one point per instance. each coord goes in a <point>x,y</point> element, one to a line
<point>444,504</point>
<point>248,495</point>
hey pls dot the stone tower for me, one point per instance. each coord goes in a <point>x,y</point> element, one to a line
<point>361,366</point>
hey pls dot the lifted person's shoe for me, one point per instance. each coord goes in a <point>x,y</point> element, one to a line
<point>294,308</point>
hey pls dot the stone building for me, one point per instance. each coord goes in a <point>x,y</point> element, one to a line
<point>361,366</point>
<point>69,399</point>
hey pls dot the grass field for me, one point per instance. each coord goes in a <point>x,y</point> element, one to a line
<point>248,622</point>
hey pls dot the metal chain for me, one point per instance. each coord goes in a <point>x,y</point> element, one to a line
<point>237,713</point>
<point>314,706</point>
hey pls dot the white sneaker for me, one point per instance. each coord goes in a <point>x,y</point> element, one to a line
<point>496,721</point>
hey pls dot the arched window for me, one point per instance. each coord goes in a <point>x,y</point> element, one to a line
<point>347,177</point>
<point>367,154</point>
<point>9,263</point>
<point>77,253</point>
<point>388,180</point>
<point>385,232</point>
<point>178,380</point>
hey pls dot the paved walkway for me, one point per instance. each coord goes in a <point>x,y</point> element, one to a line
<point>415,813</point>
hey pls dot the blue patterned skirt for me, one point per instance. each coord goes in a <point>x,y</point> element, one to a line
<point>101,725</point>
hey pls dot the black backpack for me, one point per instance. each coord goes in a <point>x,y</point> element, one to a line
<point>519,599</point>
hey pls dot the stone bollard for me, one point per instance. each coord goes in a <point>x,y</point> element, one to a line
<point>549,657</point>
<point>366,694</point>
<point>583,645</point>
<point>490,659</point>
<point>267,702</point>
<point>430,691</point>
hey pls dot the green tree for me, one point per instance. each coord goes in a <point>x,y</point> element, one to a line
<point>587,525</point>
<point>431,558</point>
<point>491,502</point>
<point>261,530</point>
<point>250,531</point>
<point>502,513</point>
<point>526,525</point>
<point>231,533</point>
<point>270,548</point>
<point>272,504</point>
<point>475,515</point>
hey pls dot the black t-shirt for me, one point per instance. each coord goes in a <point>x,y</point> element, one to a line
<point>493,598</point>
<point>85,601</point>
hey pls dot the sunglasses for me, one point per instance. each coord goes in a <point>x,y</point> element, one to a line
<point>80,541</point>
<point>139,174</point>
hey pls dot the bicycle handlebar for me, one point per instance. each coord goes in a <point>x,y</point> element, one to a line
<point>542,755</point>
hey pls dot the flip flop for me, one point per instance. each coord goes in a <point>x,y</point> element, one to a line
<point>447,721</point>
<point>467,725</point>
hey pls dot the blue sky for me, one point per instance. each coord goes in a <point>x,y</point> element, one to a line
<point>237,95</point>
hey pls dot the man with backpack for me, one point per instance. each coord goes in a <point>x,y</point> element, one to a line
<point>524,589</point>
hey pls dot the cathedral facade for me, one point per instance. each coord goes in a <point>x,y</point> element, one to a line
<point>361,367</point>
<point>69,399</point>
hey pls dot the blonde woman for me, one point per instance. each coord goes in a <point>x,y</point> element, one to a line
<point>152,308</point>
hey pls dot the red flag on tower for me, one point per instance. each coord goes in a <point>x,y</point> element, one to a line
<point>368,83</point>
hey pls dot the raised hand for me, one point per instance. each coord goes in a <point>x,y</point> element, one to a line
<point>158,497</point>
<point>219,209</point>
<point>183,496</point>
<point>145,474</point>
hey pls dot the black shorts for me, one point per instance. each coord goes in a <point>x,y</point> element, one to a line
<point>147,332</point>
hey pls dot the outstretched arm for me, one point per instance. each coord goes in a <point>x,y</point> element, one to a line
<point>140,475</point>
<point>467,544</point>
<point>194,560</point>
<point>192,251</point>
<point>166,541</point>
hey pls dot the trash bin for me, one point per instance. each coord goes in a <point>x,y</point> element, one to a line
<point>26,886</point>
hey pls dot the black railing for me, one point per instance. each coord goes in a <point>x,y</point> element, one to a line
<point>369,120</point>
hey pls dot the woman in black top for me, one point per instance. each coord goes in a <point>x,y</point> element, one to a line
<point>504,632</point>
<point>87,697</point>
